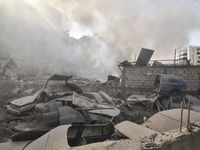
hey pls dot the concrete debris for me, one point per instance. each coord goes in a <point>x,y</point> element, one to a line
<point>140,100</point>
<point>54,87</point>
<point>56,114</point>
<point>157,63</point>
<point>3,65</point>
<point>100,134</point>
<point>125,63</point>
<point>106,97</point>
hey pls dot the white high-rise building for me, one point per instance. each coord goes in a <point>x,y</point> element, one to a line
<point>189,54</point>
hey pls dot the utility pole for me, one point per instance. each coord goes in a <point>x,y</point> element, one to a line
<point>174,57</point>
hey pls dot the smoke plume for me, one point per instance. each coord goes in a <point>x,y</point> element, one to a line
<point>132,24</point>
<point>39,36</point>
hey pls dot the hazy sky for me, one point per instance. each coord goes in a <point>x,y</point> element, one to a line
<point>162,25</point>
<point>115,31</point>
<point>195,38</point>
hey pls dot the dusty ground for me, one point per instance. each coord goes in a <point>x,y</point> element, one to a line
<point>13,83</point>
<point>10,84</point>
<point>6,93</point>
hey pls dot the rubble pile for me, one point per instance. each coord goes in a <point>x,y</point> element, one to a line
<point>32,108</point>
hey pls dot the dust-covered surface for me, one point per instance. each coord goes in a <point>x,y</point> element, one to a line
<point>136,113</point>
<point>165,138</point>
<point>154,141</point>
<point>112,145</point>
<point>7,120</point>
<point>14,84</point>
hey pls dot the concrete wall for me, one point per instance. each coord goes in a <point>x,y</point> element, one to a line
<point>134,81</point>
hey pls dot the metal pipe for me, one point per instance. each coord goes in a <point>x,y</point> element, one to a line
<point>181,116</point>
<point>188,122</point>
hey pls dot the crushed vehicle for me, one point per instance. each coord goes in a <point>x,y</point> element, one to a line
<point>168,84</point>
<point>23,104</point>
<point>63,103</point>
<point>127,129</point>
<point>162,103</point>
<point>170,119</point>
<point>56,86</point>
<point>63,137</point>
<point>81,136</point>
<point>139,100</point>
<point>73,108</point>
<point>169,90</point>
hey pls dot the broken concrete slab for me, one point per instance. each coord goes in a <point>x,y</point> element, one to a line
<point>106,97</point>
<point>98,97</point>
<point>132,130</point>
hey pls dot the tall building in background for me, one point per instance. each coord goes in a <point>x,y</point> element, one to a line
<point>190,54</point>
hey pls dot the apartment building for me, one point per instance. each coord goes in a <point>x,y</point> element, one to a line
<point>189,54</point>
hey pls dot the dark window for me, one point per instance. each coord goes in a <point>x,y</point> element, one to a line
<point>183,54</point>
<point>169,79</point>
<point>183,58</point>
<point>95,131</point>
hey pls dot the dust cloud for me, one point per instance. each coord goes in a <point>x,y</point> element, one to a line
<point>132,24</point>
<point>39,36</point>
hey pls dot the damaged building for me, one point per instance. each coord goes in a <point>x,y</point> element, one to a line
<point>134,81</point>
